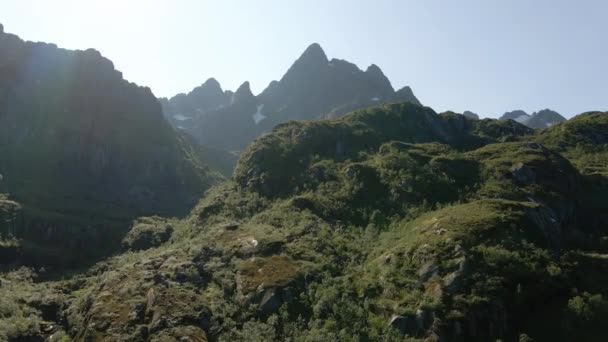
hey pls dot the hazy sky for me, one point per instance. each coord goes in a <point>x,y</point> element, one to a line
<point>486,56</point>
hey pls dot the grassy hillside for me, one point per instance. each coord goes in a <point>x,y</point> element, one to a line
<point>388,224</point>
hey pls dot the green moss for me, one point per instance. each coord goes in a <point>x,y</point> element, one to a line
<point>275,271</point>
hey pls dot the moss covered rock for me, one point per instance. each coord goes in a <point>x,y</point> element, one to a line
<point>147,232</point>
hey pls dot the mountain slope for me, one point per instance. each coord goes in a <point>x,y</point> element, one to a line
<point>388,224</point>
<point>313,87</point>
<point>83,150</point>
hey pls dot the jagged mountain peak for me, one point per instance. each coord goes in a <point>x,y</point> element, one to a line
<point>541,119</point>
<point>405,94</point>
<point>244,88</point>
<point>517,115</point>
<point>211,87</point>
<point>243,93</point>
<point>312,61</point>
<point>312,87</point>
<point>544,118</point>
<point>344,65</point>
<point>373,69</point>
<point>314,52</point>
<point>212,82</point>
<point>383,83</point>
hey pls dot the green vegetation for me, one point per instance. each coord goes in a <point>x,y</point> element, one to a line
<point>388,224</point>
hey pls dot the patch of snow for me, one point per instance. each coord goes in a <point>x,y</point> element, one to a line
<point>375,99</point>
<point>181,127</point>
<point>549,124</point>
<point>258,116</point>
<point>198,110</point>
<point>180,117</point>
<point>522,118</point>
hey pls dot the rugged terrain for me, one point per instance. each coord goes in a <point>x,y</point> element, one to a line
<point>391,223</point>
<point>83,153</point>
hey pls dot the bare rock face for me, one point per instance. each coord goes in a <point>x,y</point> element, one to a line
<point>77,140</point>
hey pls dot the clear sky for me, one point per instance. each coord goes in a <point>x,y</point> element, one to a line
<point>487,56</point>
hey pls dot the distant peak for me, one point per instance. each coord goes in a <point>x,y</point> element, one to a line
<point>243,93</point>
<point>517,115</point>
<point>313,60</point>
<point>244,88</point>
<point>375,74</point>
<point>211,82</point>
<point>313,54</point>
<point>517,112</point>
<point>374,70</point>
<point>1,28</point>
<point>546,110</point>
<point>405,90</point>
<point>315,50</point>
<point>549,113</point>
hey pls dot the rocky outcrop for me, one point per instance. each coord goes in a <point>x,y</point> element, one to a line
<point>147,232</point>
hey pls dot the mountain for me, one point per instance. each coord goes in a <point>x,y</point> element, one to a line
<point>84,152</point>
<point>183,108</point>
<point>313,87</point>
<point>470,115</point>
<point>390,223</point>
<point>542,119</point>
<point>516,115</point>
